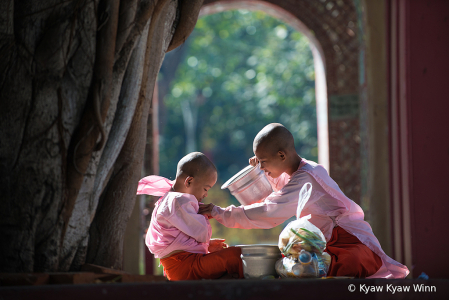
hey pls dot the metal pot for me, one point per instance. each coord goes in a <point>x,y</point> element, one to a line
<point>259,260</point>
<point>249,185</point>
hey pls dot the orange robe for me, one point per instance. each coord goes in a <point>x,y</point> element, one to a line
<point>350,257</point>
<point>192,266</point>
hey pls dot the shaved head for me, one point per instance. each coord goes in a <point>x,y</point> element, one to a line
<point>273,138</point>
<point>195,164</point>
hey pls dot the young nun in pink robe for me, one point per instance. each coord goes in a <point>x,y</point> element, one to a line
<point>178,235</point>
<point>354,249</point>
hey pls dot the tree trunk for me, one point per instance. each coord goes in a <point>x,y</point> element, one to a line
<point>120,194</point>
<point>74,101</point>
<point>168,72</point>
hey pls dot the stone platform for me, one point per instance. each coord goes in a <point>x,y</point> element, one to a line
<point>279,289</point>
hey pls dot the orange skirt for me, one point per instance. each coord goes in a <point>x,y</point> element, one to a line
<point>350,257</point>
<point>191,266</point>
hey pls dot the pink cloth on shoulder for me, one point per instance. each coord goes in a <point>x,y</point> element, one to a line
<point>154,185</point>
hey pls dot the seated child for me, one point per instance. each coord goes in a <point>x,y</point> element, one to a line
<point>178,235</point>
<point>351,243</point>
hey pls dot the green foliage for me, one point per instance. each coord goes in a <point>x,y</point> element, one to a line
<point>242,71</point>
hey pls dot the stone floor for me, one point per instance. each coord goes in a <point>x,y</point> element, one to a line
<point>279,289</point>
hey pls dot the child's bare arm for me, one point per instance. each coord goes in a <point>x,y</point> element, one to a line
<point>206,210</point>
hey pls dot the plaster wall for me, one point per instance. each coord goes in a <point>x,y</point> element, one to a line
<point>427,95</point>
<point>378,193</point>
<point>419,143</point>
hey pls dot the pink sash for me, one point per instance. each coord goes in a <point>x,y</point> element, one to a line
<point>154,185</point>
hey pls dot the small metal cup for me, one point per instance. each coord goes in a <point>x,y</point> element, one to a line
<point>259,260</point>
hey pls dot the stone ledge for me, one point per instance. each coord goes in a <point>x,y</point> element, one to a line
<point>284,289</point>
<point>89,274</point>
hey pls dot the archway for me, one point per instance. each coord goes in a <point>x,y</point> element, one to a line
<point>331,28</point>
<point>334,26</point>
<point>317,52</point>
<point>271,34</point>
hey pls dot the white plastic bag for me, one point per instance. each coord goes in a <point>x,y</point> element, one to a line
<point>302,244</point>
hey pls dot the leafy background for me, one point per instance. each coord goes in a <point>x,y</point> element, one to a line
<point>238,71</point>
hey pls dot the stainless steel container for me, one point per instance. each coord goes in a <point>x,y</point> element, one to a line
<point>259,260</point>
<point>249,185</point>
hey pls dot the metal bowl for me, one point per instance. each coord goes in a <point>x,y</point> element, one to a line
<point>249,185</point>
<point>259,260</point>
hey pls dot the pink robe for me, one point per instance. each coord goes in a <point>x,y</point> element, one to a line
<point>327,205</point>
<point>175,222</point>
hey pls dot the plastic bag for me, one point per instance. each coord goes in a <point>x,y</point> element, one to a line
<point>302,244</point>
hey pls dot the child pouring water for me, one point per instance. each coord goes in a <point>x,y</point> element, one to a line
<point>351,243</point>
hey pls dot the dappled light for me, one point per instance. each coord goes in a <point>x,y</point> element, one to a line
<point>238,71</point>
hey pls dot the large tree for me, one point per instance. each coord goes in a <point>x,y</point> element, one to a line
<point>76,82</point>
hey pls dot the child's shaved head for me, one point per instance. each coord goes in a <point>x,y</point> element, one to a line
<point>194,164</point>
<point>273,138</point>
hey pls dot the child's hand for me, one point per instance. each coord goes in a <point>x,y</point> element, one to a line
<point>253,161</point>
<point>217,245</point>
<point>206,210</point>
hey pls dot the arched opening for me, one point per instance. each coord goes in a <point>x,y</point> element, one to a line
<point>318,59</point>
<point>179,92</point>
<point>332,24</point>
<point>266,87</point>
